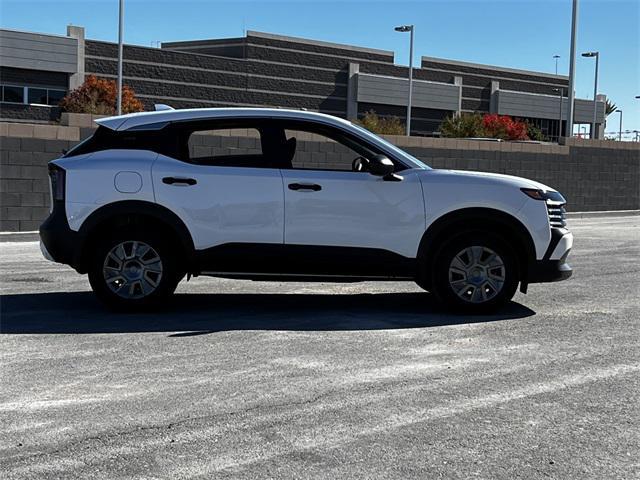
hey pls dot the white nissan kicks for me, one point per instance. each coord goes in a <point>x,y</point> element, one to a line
<point>285,195</point>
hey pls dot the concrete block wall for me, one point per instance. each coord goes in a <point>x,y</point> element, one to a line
<point>593,175</point>
<point>24,183</point>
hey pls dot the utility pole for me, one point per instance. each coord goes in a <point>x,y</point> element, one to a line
<point>572,68</point>
<point>120,28</point>
<point>595,55</point>
<point>408,28</point>
<point>561,90</point>
<point>620,131</point>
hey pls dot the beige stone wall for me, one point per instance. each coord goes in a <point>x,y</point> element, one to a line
<point>593,175</point>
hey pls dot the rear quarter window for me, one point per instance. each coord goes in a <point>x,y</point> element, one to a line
<point>158,141</point>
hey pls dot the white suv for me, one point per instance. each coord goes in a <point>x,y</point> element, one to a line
<point>270,194</point>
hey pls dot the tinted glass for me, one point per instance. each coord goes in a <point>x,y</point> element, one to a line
<point>159,141</point>
<point>13,94</point>
<point>225,147</point>
<point>319,152</point>
<point>37,95</point>
<point>55,96</point>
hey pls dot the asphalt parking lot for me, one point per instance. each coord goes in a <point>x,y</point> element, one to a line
<point>253,380</point>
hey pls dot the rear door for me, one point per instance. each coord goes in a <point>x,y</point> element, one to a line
<point>220,187</point>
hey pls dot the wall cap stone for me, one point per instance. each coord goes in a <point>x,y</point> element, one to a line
<point>585,142</point>
<point>36,130</point>
<point>84,120</point>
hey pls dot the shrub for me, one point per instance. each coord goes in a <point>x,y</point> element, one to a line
<point>465,125</point>
<point>99,96</point>
<point>504,127</point>
<point>381,125</point>
<point>473,125</point>
<point>534,133</point>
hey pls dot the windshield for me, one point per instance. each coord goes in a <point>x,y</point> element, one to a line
<point>419,163</point>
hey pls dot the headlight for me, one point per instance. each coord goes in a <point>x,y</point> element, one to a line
<point>545,195</point>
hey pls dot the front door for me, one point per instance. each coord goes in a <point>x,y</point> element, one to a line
<point>327,204</point>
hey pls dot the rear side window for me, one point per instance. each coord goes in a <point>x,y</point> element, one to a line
<point>158,141</point>
<point>226,147</point>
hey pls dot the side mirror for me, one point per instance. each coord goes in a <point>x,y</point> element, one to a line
<point>380,166</point>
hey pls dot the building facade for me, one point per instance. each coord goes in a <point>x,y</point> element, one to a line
<point>262,69</point>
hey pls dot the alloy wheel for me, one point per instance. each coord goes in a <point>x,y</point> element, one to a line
<point>477,274</point>
<point>132,269</point>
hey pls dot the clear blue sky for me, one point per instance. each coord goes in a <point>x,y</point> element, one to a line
<point>514,33</point>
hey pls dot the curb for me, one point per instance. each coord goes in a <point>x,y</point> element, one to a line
<point>6,237</point>
<point>604,213</point>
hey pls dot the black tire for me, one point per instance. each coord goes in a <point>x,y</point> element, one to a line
<point>165,283</point>
<point>479,288</point>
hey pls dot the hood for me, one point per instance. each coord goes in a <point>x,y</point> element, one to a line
<point>464,177</point>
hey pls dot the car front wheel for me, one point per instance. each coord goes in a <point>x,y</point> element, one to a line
<point>476,271</point>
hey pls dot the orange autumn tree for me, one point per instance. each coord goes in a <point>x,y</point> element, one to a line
<point>98,96</point>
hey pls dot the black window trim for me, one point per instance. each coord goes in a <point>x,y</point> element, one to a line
<point>182,129</point>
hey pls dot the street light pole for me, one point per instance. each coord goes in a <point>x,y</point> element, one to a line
<point>561,90</point>
<point>409,28</point>
<point>120,28</point>
<point>620,131</point>
<point>572,68</point>
<point>595,90</point>
<point>556,57</point>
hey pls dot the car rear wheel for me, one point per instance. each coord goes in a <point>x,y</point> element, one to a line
<point>133,269</point>
<point>476,271</point>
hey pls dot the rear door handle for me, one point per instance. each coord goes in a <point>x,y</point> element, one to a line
<point>305,186</point>
<point>179,181</point>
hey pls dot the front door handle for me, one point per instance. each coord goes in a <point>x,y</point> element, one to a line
<point>314,187</point>
<point>179,181</point>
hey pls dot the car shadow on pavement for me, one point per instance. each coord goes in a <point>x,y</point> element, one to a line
<point>197,314</point>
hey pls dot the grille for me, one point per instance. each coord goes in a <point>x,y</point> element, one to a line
<point>556,214</point>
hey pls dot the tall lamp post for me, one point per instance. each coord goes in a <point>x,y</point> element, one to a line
<point>620,131</point>
<point>572,68</point>
<point>409,28</point>
<point>120,28</point>
<point>556,57</point>
<point>561,91</point>
<point>595,90</point>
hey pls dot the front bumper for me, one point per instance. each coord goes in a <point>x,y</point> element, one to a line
<point>543,271</point>
<point>553,267</point>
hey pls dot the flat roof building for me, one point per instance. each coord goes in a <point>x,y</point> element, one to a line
<point>262,69</point>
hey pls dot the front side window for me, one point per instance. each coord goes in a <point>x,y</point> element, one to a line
<point>323,147</point>
<point>324,150</point>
